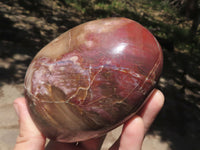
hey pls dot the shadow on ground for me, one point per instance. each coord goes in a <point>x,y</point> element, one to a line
<point>28,26</point>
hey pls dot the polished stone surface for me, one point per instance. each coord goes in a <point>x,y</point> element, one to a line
<point>92,78</point>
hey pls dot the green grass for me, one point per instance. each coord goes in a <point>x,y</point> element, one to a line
<point>158,16</point>
<point>114,5</point>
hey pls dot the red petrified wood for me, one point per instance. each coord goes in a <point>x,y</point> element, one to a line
<point>92,78</point>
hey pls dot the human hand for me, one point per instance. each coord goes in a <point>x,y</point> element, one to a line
<point>30,138</point>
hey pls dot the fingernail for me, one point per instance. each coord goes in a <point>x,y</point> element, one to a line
<point>16,109</point>
<point>136,119</point>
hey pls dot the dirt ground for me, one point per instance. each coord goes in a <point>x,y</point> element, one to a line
<point>23,32</point>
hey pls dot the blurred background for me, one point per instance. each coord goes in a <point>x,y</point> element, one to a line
<point>26,26</point>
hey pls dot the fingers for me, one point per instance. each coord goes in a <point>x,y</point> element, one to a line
<point>29,136</point>
<point>151,108</point>
<point>131,138</point>
<point>132,135</point>
<point>134,130</point>
<point>92,144</point>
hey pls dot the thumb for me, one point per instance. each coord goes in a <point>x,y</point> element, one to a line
<point>29,136</point>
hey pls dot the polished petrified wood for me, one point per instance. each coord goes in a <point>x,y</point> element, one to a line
<point>92,78</point>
